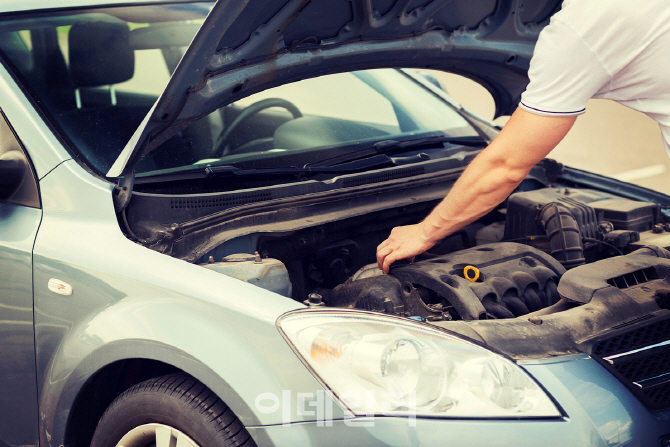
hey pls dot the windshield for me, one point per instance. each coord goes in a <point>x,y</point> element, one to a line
<point>97,72</point>
<point>301,123</point>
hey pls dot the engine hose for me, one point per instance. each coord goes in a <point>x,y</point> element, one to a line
<point>565,240</point>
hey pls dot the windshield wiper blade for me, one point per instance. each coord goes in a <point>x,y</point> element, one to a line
<point>374,157</point>
<point>399,146</point>
<point>378,161</point>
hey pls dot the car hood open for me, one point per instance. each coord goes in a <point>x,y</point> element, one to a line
<point>244,47</point>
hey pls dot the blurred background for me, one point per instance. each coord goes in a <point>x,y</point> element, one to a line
<point>608,139</point>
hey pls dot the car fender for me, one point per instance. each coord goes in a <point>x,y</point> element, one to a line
<point>131,302</point>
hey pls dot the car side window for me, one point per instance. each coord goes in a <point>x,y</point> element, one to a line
<point>18,182</point>
<point>95,75</point>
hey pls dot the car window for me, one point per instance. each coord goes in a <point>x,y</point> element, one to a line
<point>307,121</point>
<point>18,47</point>
<point>151,73</point>
<point>347,97</point>
<point>97,72</point>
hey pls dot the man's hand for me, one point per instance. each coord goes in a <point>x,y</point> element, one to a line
<point>403,243</point>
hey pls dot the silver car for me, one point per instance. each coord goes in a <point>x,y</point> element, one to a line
<point>191,195</point>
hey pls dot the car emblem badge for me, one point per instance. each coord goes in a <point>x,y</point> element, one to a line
<point>59,287</point>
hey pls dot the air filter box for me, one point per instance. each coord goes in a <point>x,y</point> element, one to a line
<point>523,207</point>
<point>627,214</point>
<point>587,206</point>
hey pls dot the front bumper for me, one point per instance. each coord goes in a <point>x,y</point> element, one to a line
<point>600,412</point>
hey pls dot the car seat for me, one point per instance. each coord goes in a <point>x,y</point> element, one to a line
<point>100,56</point>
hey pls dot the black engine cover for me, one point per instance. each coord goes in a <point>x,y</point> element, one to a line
<point>514,279</point>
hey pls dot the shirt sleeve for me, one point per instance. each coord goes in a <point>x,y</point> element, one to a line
<point>564,73</point>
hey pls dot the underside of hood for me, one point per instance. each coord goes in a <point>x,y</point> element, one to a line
<point>248,46</point>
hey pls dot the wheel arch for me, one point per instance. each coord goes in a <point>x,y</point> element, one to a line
<point>100,391</point>
<point>95,383</point>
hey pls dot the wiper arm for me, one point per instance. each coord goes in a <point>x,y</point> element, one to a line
<point>474,141</point>
<point>373,157</point>
<point>395,146</point>
<point>378,161</point>
<point>369,158</point>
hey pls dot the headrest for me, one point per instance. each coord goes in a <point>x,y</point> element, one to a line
<point>100,54</point>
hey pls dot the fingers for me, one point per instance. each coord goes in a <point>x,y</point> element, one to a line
<point>381,254</point>
<point>402,243</point>
<point>385,257</point>
<point>383,244</point>
<point>388,260</point>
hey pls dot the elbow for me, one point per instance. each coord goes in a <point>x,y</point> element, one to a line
<point>506,168</point>
<point>508,172</point>
<point>515,175</point>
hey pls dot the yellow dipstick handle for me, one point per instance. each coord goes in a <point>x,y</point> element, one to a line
<point>471,273</point>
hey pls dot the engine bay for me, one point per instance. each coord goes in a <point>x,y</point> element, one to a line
<point>570,263</point>
<point>507,265</point>
<point>520,264</point>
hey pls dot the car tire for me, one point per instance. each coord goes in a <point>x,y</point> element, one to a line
<point>167,409</point>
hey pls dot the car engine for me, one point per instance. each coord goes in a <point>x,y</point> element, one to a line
<point>505,266</point>
<point>503,280</point>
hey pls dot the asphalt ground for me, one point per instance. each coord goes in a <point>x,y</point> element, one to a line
<point>608,139</point>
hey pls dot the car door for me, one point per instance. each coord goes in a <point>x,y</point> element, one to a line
<point>20,216</point>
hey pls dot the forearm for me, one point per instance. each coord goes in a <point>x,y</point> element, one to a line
<point>484,184</point>
<point>495,172</point>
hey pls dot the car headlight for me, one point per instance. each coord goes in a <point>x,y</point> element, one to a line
<point>378,364</point>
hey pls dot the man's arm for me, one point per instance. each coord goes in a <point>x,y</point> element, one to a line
<point>488,180</point>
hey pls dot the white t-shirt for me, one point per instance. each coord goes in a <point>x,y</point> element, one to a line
<point>608,49</point>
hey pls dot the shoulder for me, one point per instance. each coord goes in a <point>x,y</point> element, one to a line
<point>584,16</point>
